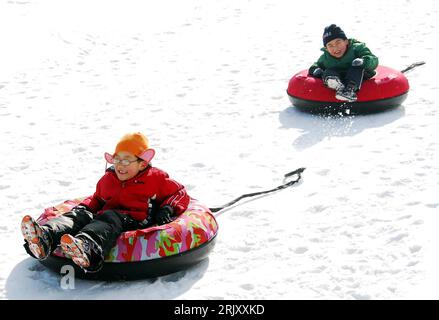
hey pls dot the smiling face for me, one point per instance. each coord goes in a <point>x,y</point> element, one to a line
<point>337,47</point>
<point>126,172</point>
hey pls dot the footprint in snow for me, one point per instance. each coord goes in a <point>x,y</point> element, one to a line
<point>317,209</point>
<point>198,165</point>
<point>398,237</point>
<point>385,194</point>
<point>323,172</point>
<point>415,248</point>
<point>300,250</point>
<point>247,286</point>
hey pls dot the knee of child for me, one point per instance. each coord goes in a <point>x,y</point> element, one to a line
<point>109,216</point>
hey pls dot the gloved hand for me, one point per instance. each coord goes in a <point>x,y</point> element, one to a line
<point>82,211</point>
<point>79,208</point>
<point>163,215</point>
<point>317,72</point>
<point>358,62</point>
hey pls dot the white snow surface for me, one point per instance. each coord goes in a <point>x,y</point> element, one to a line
<point>205,80</point>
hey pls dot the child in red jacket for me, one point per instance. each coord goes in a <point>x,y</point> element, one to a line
<point>131,195</point>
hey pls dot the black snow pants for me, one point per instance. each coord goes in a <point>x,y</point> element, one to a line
<point>354,75</point>
<point>103,229</point>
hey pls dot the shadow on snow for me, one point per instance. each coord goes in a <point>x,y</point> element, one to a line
<point>315,128</point>
<point>31,280</point>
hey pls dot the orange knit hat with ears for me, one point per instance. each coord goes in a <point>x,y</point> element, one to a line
<point>135,143</point>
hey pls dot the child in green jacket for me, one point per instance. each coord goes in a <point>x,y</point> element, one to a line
<point>344,64</point>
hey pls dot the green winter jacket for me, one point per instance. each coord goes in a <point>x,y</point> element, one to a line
<point>356,49</point>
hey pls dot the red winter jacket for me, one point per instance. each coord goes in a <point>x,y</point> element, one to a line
<point>132,196</point>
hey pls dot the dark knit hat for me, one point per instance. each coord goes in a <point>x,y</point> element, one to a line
<point>333,32</point>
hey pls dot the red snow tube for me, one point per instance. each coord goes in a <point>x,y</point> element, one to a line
<point>387,89</point>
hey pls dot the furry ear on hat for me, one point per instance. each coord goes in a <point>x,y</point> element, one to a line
<point>109,158</point>
<point>147,155</point>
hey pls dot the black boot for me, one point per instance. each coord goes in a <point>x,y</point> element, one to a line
<point>348,93</point>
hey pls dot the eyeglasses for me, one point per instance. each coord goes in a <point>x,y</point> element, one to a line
<point>124,162</point>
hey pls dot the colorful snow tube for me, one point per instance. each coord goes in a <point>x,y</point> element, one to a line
<point>150,252</point>
<point>386,90</point>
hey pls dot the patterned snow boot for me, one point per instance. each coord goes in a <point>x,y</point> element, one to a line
<point>84,252</point>
<point>38,240</point>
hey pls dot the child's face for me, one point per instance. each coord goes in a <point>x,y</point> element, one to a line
<point>126,172</point>
<point>337,47</point>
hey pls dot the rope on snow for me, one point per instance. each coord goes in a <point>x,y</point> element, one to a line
<point>412,66</point>
<point>283,186</point>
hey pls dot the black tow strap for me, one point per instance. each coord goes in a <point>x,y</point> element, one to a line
<point>412,66</point>
<point>286,185</point>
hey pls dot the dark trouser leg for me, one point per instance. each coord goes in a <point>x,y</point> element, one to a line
<point>70,222</point>
<point>106,228</point>
<point>331,73</point>
<point>354,76</point>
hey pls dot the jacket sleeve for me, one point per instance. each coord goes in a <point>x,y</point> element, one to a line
<point>171,193</point>
<point>318,64</point>
<point>94,203</point>
<point>370,60</point>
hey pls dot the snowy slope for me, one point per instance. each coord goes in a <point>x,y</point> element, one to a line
<point>206,81</point>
